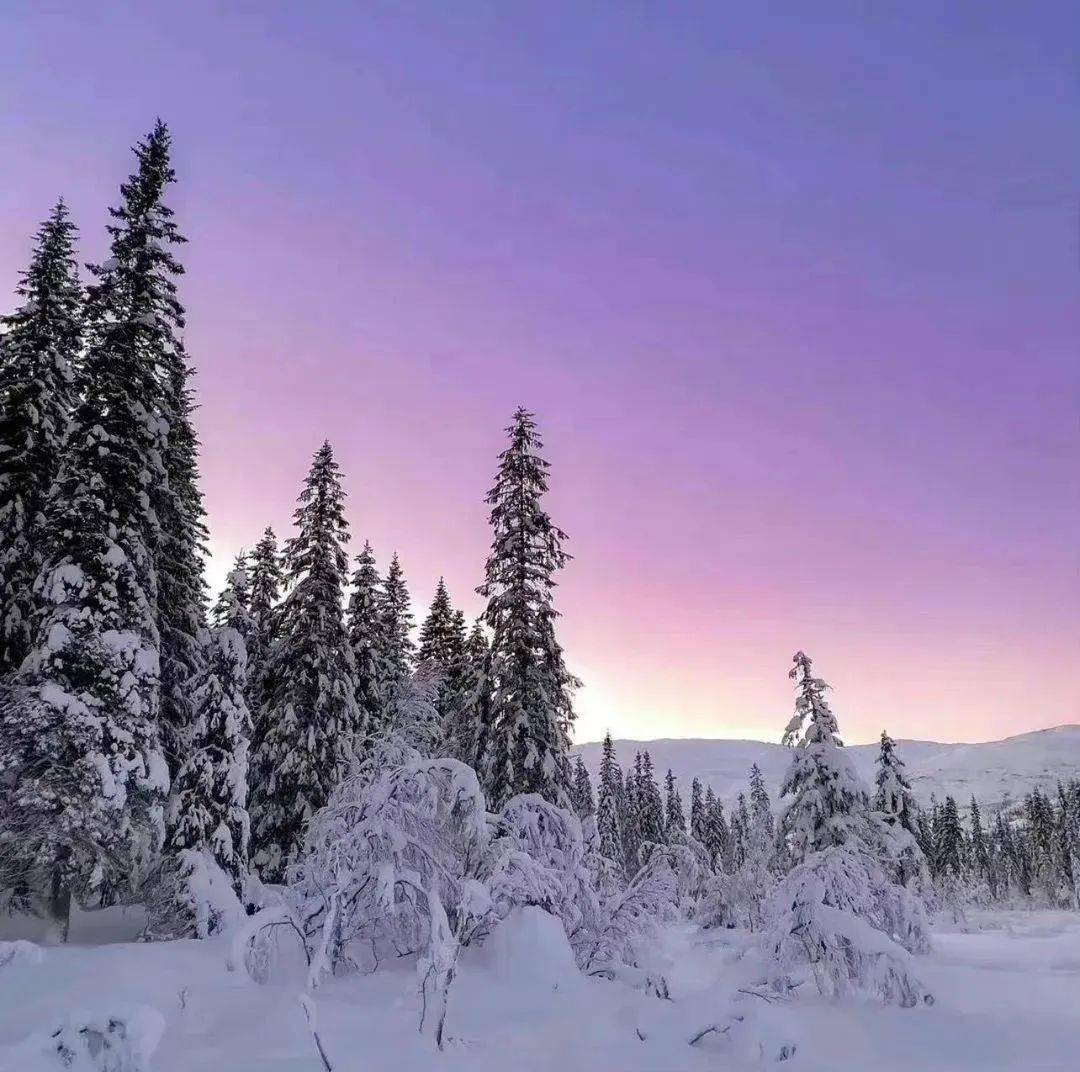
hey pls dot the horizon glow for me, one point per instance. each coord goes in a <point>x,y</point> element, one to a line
<point>794,302</point>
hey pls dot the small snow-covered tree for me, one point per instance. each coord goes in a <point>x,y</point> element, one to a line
<point>39,349</point>
<point>838,916</point>
<point>698,813</point>
<point>650,805</point>
<point>266,580</point>
<point>310,718</point>
<point>526,708</point>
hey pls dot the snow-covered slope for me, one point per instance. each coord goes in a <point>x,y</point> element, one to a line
<point>993,771</point>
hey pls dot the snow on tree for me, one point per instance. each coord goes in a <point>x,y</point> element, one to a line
<point>526,695</point>
<point>440,636</point>
<point>310,717</point>
<point>396,646</point>
<point>608,811</point>
<point>825,803</point>
<point>444,649</point>
<point>81,755</point>
<point>364,629</point>
<point>674,819</point>
<point>755,865</point>
<point>893,797</point>
<point>39,349</point>
<point>232,608</point>
<point>584,804</point>
<point>717,836</point>
<point>207,814</point>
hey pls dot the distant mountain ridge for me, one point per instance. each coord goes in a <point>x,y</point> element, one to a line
<point>993,771</point>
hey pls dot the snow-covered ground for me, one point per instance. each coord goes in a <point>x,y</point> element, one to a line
<point>992,771</point>
<point>1007,998</point>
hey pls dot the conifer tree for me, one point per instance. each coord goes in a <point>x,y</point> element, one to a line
<point>396,646</point>
<point>608,817</point>
<point>266,580</point>
<point>674,819</point>
<point>39,349</point>
<point>760,805</point>
<point>233,605</point>
<point>717,840</point>
<point>80,747</point>
<point>364,626</point>
<point>440,640</point>
<point>462,719</point>
<point>443,648</point>
<point>980,852</point>
<point>949,838</point>
<point>311,719</point>
<point>893,798</point>
<point>527,711</point>
<point>584,806</point>
<point>208,809</point>
<point>698,813</point>
<point>651,805</point>
<point>134,316</point>
<point>827,802</point>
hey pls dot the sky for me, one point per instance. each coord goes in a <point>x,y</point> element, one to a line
<point>793,298</point>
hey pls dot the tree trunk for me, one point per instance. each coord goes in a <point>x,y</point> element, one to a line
<point>59,909</point>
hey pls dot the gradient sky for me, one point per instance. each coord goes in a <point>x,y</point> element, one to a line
<point>794,299</point>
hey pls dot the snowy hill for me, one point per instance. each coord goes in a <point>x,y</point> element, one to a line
<point>993,771</point>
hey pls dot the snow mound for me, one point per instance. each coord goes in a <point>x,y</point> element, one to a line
<point>119,1041</point>
<point>20,952</point>
<point>529,948</point>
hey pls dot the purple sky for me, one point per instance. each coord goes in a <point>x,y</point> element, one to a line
<point>794,299</point>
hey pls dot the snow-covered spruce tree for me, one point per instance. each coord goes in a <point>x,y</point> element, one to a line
<point>310,717</point>
<point>717,840</point>
<point>266,581</point>
<point>674,819</point>
<point>982,876</point>
<point>838,913</point>
<point>698,821</point>
<point>826,803</point>
<point>630,818</point>
<point>755,864</point>
<point>396,645</point>
<point>208,819</point>
<point>364,628</point>
<point>461,726</point>
<point>526,706</point>
<point>896,808</point>
<point>443,649</point>
<point>584,804</point>
<point>81,749</point>
<point>133,311</point>
<point>233,605</point>
<point>608,817</point>
<point>651,826</point>
<point>39,348</point>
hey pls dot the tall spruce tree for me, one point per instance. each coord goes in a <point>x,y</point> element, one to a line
<point>266,580</point>
<point>134,315</point>
<point>39,349</point>
<point>651,823</point>
<point>674,819</point>
<point>526,696</point>
<point>311,718</point>
<point>462,720</point>
<point>698,814</point>
<point>608,809</point>
<point>584,805</point>
<point>395,639</point>
<point>442,649</point>
<point>827,803</point>
<point>893,797</point>
<point>440,638</point>
<point>81,747</point>
<point>364,628</point>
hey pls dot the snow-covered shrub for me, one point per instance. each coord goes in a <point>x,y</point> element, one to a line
<point>838,914</point>
<point>123,1041</point>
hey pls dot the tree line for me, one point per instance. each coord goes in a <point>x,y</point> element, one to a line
<point>141,727</point>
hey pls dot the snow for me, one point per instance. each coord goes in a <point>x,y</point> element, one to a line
<point>1006,999</point>
<point>992,771</point>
